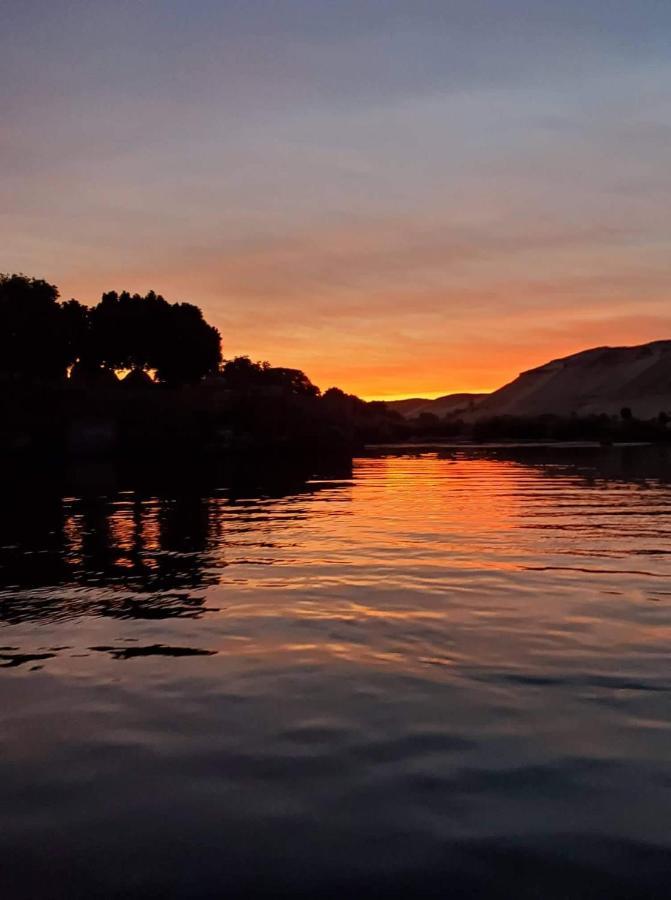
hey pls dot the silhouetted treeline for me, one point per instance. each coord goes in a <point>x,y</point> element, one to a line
<point>60,393</point>
<point>42,338</point>
<point>60,390</point>
<point>573,428</point>
<point>605,428</point>
<point>241,374</point>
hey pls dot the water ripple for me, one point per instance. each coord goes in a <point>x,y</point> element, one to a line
<point>445,671</point>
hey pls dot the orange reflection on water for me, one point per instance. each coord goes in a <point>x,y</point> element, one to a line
<point>415,561</point>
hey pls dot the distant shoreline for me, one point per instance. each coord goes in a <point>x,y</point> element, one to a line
<point>428,446</point>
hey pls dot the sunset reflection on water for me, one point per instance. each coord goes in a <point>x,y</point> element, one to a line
<point>378,673</point>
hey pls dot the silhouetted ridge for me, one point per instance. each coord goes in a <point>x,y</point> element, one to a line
<point>450,404</point>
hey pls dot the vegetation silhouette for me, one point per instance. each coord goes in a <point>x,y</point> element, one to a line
<point>62,365</point>
<point>242,374</point>
<point>39,336</point>
<point>601,428</point>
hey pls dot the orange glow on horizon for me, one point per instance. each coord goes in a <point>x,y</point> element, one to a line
<point>430,395</point>
<point>401,348</point>
<point>393,229</point>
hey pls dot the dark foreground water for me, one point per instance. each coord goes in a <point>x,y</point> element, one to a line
<point>430,677</point>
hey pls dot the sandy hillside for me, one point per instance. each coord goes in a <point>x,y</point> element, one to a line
<point>600,380</point>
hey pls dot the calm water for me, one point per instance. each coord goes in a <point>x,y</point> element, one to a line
<point>429,676</point>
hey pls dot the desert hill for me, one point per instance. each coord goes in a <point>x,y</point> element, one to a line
<point>599,380</point>
<point>450,404</point>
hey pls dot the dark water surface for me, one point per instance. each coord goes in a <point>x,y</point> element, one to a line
<point>434,676</point>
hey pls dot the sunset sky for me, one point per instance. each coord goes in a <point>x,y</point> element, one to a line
<point>401,197</point>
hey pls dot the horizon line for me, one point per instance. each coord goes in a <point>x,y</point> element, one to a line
<point>428,395</point>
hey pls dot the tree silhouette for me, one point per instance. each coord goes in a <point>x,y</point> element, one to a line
<point>185,348</point>
<point>123,329</point>
<point>341,403</point>
<point>41,338</point>
<point>130,331</point>
<point>293,381</point>
<point>38,335</point>
<point>75,329</point>
<point>243,374</point>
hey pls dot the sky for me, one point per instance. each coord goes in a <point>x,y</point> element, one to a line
<point>400,197</point>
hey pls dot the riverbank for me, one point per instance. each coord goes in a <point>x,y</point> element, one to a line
<point>437,446</point>
<point>69,422</point>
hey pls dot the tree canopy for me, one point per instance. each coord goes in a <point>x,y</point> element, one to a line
<point>241,373</point>
<point>37,333</point>
<point>130,331</point>
<point>41,337</point>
